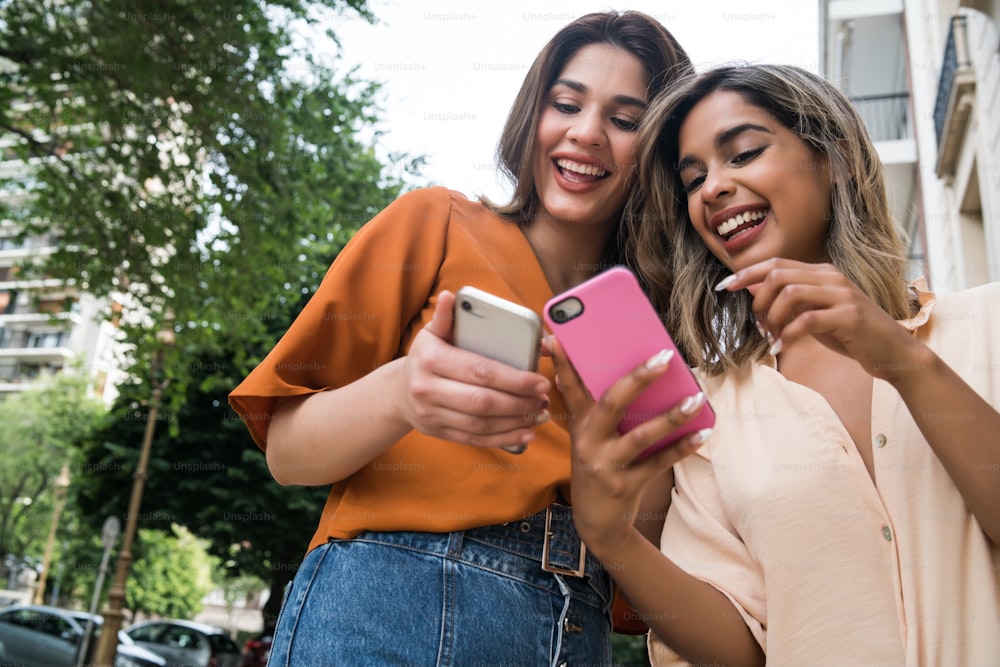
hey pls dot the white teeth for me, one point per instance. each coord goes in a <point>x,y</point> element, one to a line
<point>587,169</point>
<point>732,223</point>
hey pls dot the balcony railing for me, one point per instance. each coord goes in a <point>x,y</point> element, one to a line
<point>887,117</point>
<point>955,96</point>
<point>956,55</point>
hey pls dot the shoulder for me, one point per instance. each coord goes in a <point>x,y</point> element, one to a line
<point>969,305</point>
<point>426,208</point>
<point>435,197</point>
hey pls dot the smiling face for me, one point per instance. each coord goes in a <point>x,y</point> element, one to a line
<point>755,190</point>
<point>585,139</point>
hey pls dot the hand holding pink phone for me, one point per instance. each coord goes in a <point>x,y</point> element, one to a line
<point>607,327</point>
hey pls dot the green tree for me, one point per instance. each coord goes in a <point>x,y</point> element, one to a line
<point>39,427</point>
<point>171,575</point>
<point>205,474</point>
<point>195,158</point>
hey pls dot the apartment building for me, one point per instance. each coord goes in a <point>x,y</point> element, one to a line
<point>924,75</point>
<point>46,325</point>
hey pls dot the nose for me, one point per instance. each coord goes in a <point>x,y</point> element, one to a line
<point>587,129</point>
<point>717,184</point>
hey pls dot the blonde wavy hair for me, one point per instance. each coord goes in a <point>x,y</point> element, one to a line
<point>716,330</point>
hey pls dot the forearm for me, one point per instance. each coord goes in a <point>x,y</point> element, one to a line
<point>691,616</point>
<point>653,507</point>
<point>325,437</point>
<point>961,428</point>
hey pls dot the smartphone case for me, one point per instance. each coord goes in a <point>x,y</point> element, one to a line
<point>617,330</point>
<point>497,328</point>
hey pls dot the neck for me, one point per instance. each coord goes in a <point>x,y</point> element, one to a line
<point>568,255</point>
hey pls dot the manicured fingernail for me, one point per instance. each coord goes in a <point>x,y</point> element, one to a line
<point>660,359</point>
<point>543,403</point>
<point>542,417</point>
<point>725,282</point>
<point>775,347</point>
<point>701,437</point>
<point>515,449</point>
<point>690,404</point>
<point>760,328</point>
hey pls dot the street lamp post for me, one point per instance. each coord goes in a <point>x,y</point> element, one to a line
<point>108,643</point>
<point>62,483</point>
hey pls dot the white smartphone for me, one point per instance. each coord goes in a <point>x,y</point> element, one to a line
<point>497,328</point>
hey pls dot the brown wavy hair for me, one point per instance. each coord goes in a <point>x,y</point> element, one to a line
<point>661,55</point>
<point>716,330</point>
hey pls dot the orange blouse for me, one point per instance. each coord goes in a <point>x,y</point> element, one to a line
<point>379,292</point>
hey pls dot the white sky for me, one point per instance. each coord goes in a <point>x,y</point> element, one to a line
<point>450,70</point>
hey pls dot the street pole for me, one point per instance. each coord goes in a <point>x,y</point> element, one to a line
<point>59,495</point>
<point>107,646</point>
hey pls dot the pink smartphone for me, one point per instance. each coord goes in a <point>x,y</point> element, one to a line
<point>607,327</point>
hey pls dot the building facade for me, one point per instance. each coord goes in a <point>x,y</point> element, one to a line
<point>46,325</point>
<point>924,75</point>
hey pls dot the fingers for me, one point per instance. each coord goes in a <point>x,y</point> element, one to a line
<point>601,424</point>
<point>574,393</point>
<point>443,322</point>
<point>787,292</point>
<point>637,442</point>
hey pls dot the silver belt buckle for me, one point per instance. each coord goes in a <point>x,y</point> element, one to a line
<point>549,567</point>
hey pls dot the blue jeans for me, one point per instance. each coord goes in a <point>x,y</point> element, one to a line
<point>474,597</point>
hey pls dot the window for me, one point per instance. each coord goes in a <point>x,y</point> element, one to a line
<point>223,644</point>
<point>179,637</point>
<point>146,633</point>
<point>47,339</point>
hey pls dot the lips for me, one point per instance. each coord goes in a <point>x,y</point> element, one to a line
<point>741,222</point>
<point>580,172</point>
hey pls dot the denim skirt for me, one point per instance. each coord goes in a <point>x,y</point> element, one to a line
<point>467,598</point>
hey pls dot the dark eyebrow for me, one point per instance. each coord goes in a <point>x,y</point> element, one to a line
<point>626,100</point>
<point>724,138</point>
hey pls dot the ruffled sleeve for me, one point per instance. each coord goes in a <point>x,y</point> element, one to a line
<point>926,299</point>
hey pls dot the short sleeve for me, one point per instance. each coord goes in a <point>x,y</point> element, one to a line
<point>357,319</point>
<point>698,538</point>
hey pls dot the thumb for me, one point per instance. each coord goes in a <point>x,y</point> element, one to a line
<point>443,322</point>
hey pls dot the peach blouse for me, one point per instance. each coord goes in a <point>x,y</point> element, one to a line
<point>826,567</point>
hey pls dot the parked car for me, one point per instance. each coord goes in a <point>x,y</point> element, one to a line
<point>257,650</point>
<point>43,636</point>
<point>186,643</point>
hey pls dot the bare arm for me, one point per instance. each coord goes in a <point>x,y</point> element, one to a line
<point>653,507</point>
<point>794,300</point>
<point>692,617</point>
<point>437,389</point>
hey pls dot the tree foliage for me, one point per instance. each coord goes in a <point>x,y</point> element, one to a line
<point>38,429</point>
<point>205,474</point>
<point>208,160</point>
<point>171,575</point>
<point>200,158</point>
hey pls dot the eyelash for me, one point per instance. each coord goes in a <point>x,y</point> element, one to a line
<point>739,160</point>
<point>620,123</point>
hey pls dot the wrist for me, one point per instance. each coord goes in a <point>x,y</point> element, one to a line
<point>615,549</point>
<point>400,403</point>
<point>917,363</point>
